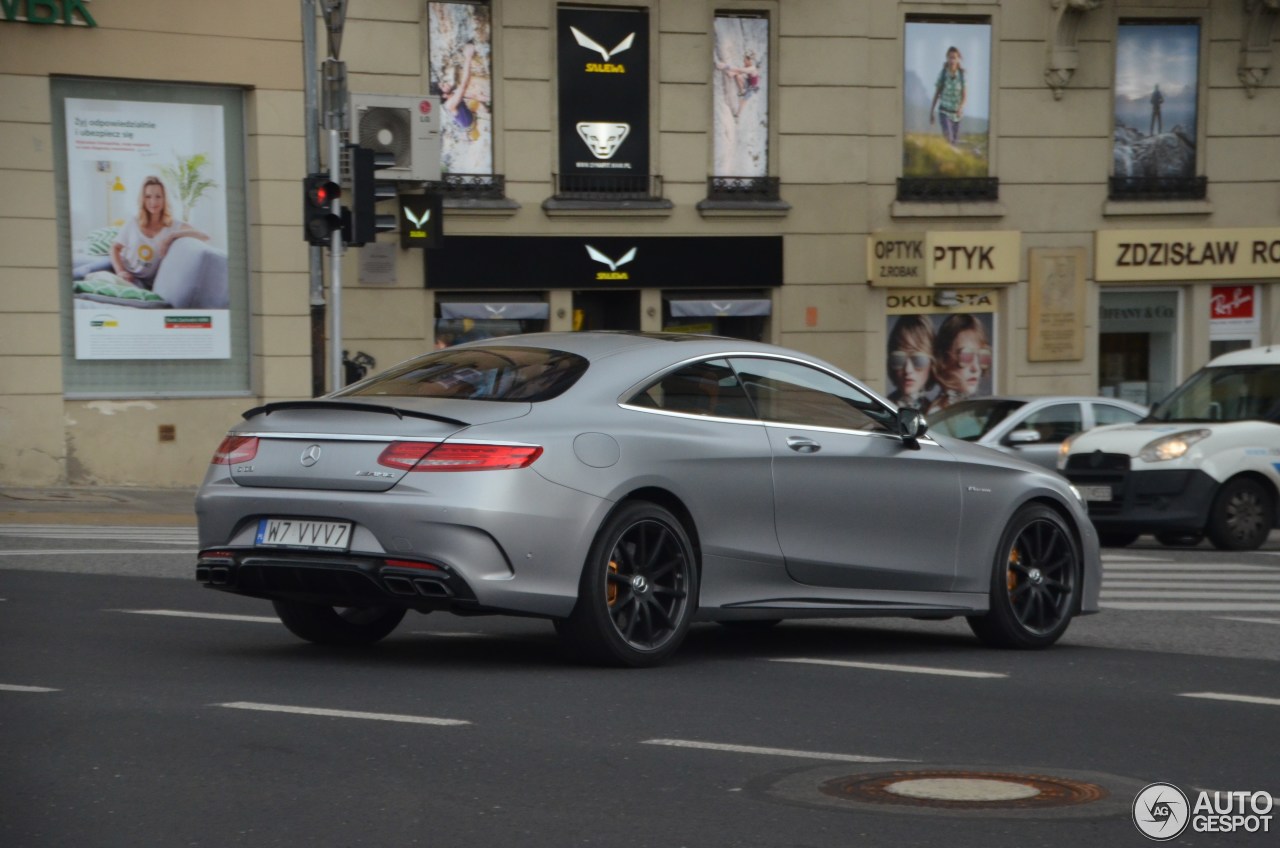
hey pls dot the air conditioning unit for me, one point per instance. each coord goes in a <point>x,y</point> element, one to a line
<point>407,126</point>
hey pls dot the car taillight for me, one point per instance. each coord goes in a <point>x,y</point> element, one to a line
<point>427,456</point>
<point>405,455</point>
<point>235,449</point>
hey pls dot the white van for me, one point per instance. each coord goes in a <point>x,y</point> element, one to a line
<point>1206,461</point>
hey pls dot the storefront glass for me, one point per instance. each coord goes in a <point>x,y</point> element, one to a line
<point>1137,344</point>
<point>473,316</point>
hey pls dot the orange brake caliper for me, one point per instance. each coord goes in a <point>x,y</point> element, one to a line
<point>611,590</point>
<point>1011,577</point>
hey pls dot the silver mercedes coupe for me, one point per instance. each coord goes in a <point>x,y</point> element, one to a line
<point>624,485</point>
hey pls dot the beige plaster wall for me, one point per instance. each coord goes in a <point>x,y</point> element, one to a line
<point>835,142</point>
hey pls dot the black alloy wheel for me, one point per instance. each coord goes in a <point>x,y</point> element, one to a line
<point>1035,587</point>
<point>1242,516</point>
<point>638,590</point>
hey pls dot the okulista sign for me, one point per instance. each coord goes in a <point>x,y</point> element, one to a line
<point>1187,254</point>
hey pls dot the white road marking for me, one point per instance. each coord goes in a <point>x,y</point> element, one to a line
<point>1242,699</point>
<point>909,669</point>
<point>1160,594</point>
<point>316,711</point>
<point>11,687</point>
<point>1110,558</point>
<point>96,552</point>
<point>1189,606</point>
<point>1174,579</point>
<point>157,534</point>
<point>775,752</point>
<point>1249,620</point>
<point>217,616</point>
<point>1201,567</point>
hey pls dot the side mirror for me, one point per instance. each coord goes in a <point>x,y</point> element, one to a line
<point>911,426</point>
<point>1023,437</point>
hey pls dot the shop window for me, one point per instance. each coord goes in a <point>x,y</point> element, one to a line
<point>138,164</point>
<point>739,315</point>
<point>460,58</point>
<point>946,133</point>
<point>1153,154</point>
<point>1137,345</point>
<point>472,316</point>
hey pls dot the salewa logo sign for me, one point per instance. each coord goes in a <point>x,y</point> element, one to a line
<point>602,138</point>
<point>605,67</point>
<point>613,273</point>
<point>418,230</point>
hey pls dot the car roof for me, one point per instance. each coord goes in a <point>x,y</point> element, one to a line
<point>1269,355</point>
<point>594,344</point>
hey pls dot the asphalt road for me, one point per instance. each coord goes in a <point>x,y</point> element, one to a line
<point>137,709</point>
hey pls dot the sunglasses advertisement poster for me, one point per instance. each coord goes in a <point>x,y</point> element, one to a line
<point>937,356</point>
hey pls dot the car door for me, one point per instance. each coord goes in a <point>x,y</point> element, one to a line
<point>855,506</point>
<point>1053,423</point>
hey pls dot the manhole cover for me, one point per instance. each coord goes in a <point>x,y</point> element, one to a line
<point>964,790</point>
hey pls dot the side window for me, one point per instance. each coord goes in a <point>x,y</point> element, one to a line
<point>1055,423</point>
<point>704,388</point>
<point>1104,413</point>
<point>792,393</point>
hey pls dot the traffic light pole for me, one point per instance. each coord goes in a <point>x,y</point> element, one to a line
<point>335,270</point>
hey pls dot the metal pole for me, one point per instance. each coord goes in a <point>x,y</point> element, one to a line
<point>335,270</point>
<point>315,255</point>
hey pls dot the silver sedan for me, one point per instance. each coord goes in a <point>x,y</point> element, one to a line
<point>624,485</point>
<point>1030,427</point>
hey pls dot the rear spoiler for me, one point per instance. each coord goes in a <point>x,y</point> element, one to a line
<point>269,408</point>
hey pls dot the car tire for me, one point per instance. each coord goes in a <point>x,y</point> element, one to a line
<point>638,591</point>
<point>340,626</point>
<point>1179,540</point>
<point>1035,582</point>
<point>1242,516</point>
<point>1117,540</point>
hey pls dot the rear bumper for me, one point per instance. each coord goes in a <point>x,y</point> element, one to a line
<point>1150,501</point>
<point>335,581</point>
<point>504,541</point>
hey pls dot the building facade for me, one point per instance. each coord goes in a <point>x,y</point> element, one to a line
<point>1086,191</point>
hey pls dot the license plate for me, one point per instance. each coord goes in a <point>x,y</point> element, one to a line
<point>1096,493</point>
<point>300,533</point>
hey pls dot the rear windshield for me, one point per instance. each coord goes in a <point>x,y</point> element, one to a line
<point>971,419</point>
<point>478,373</point>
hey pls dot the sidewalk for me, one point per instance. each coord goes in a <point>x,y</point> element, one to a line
<point>98,505</point>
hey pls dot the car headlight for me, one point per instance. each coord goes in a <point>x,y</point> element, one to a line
<point>1064,449</point>
<point>1172,447</point>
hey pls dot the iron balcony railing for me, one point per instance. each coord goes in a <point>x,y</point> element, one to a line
<point>1158,188</point>
<point>948,190</point>
<point>470,186</point>
<point>607,186</point>
<point>743,188</point>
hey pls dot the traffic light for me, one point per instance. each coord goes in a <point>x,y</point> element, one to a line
<point>319,219</point>
<point>366,192</point>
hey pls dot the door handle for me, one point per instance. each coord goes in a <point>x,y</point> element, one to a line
<point>802,445</point>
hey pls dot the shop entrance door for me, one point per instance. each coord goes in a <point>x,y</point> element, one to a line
<point>1137,345</point>
<point>606,310</point>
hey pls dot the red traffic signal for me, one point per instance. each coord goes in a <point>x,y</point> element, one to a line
<point>319,219</point>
